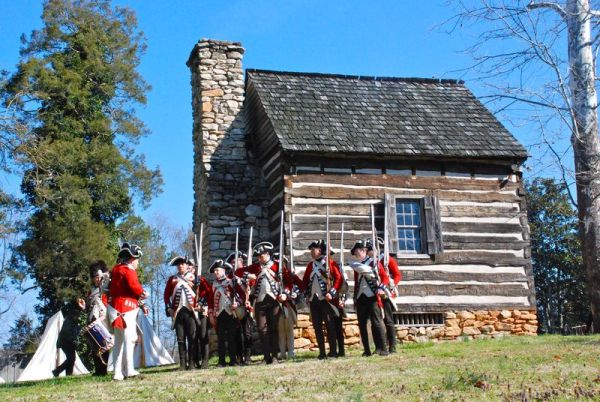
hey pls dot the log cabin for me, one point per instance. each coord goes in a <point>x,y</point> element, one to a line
<point>440,172</point>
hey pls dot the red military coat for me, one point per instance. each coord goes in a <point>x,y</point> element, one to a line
<point>336,279</point>
<point>203,291</point>
<point>393,269</point>
<point>125,291</point>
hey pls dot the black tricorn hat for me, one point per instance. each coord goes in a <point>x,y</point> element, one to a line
<point>369,243</point>
<point>231,256</point>
<point>219,264</point>
<point>322,244</point>
<point>178,260</point>
<point>358,244</point>
<point>130,251</point>
<point>263,247</point>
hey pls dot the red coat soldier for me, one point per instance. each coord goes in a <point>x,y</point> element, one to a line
<point>227,296</point>
<point>180,305</point>
<point>322,281</point>
<point>389,306</point>
<point>269,292</point>
<point>124,295</point>
<point>370,281</point>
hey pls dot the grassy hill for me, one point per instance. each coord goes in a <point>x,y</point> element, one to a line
<point>518,368</point>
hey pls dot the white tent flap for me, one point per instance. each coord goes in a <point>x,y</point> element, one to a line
<point>47,357</point>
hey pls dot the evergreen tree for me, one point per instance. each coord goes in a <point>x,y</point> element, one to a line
<point>559,274</point>
<point>76,87</point>
<point>23,337</point>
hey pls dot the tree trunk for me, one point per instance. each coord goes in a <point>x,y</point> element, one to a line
<point>585,143</point>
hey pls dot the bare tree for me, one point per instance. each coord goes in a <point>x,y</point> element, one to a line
<point>543,54</point>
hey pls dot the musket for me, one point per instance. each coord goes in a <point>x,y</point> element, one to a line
<point>281,261</point>
<point>386,239</point>
<point>198,250</point>
<point>291,245</point>
<point>280,270</point>
<point>344,288</point>
<point>235,261</point>
<point>342,248</point>
<point>249,260</point>
<point>233,279</point>
<point>327,250</point>
<point>374,244</point>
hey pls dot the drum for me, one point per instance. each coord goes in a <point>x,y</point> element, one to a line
<point>100,337</point>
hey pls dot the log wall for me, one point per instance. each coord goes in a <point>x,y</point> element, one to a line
<point>486,259</point>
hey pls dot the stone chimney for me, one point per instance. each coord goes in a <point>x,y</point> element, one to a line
<point>229,191</point>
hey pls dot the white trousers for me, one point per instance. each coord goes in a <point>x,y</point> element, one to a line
<point>285,329</point>
<point>124,346</point>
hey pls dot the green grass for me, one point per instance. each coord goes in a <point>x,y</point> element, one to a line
<point>516,368</point>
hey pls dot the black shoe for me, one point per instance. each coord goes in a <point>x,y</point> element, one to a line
<point>55,373</point>
<point>332,355</point>
<point>342,354</point>
<point>393,350</point>
<point>322,356</point>
<point>383,353</point>
<point>366,354</point>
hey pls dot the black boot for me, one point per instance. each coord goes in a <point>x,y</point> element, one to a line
<point>182,355</point>
<point>247,357</point>
<point>205,356</point>
<point>391,335</point>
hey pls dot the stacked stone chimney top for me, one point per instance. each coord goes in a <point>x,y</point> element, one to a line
<point>234,50</point>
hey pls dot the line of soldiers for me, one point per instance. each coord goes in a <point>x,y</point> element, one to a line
<point>267,293</point>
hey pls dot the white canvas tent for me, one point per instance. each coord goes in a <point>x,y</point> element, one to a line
<point>47,356</point>
<point>149,351</point>
<point>2,380</point>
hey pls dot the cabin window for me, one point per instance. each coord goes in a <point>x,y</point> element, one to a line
<point>409,222</point>
<point>414,225</point>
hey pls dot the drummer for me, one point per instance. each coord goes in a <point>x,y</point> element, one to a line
<point>97,302</point>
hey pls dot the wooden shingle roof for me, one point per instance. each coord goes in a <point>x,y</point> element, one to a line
<point>393,117</point>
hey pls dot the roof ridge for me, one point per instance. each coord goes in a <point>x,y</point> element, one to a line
<point>359,77</point>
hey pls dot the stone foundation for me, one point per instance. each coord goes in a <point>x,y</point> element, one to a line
<point>481,324</point>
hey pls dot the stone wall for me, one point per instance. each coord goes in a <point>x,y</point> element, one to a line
<point>482,324</point>
<point>228,188</point>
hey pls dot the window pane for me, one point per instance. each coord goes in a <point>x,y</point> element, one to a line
<point>417,234</point>
<point>408,218</point>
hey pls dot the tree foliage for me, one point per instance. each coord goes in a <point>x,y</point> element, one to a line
<point>75,89</point>
<point>23,336</point>
<point>556,255</point>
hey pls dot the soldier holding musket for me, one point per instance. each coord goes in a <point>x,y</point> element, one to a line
<point>390,292</point>
<point>203,291</point>
<point>321,282</point>
<point>246,326</point>
<point>226,297</point>
<point>370,281</point>
<point>180,305</point>
<point>269,292</point>
<point>289,313</point>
